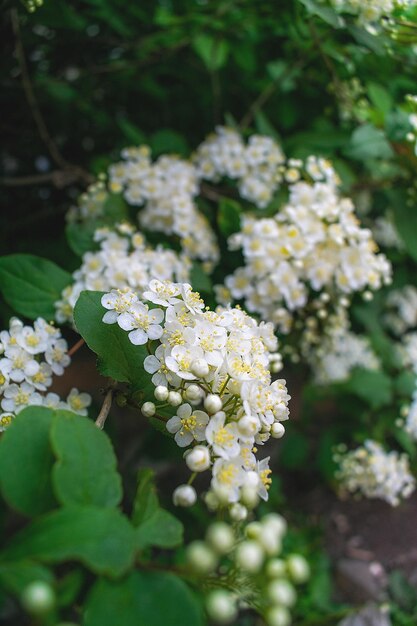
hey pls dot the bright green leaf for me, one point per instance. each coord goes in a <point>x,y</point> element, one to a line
<point>26,461</point>
<point>85,471</point>
<point>146,501</point>
<point>161,529</point>
<point>212,51</point>
<point>17,575</point>
<point>143,599</point>
<point>31,285</point>
<point>102,539</point>
<point>368,142</point>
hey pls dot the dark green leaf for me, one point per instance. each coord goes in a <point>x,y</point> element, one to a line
<point>26,461</point>
<point>200,280</point>
<point>228,216</point>
<point>102,539</point>
<point>31,285</point>
<point>372,386</point>
<point>143,599</point>
<point>161,529</point>
<point>146,501</point>
<point>17,575</point>
<point>212,51</point>
<point>119,358</point>
<point>85,471</point>
<point>80,237</point>
<point>405,218</point>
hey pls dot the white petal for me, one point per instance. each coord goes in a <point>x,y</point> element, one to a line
<point>138,337</point>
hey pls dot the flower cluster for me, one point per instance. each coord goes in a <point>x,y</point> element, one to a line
<point>315,243</point>
<point>90,204</point>
<point>212,366</point>
<point>31,355</point>
<point>246,567</point>
<point>256,165</point>
<point>402,309</point>
<point>124,260</point>
<point>374,473</point>
<point>167,189</point>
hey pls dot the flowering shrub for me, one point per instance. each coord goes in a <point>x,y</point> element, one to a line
<point>238,248</point>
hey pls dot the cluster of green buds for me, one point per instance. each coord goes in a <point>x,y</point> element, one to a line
<point>242,566</point>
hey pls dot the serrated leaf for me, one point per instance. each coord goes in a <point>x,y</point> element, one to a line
<point>102,539</point>
<point>119,358</point>
<point>142,599</point>
<point>85,470</point>
<point>161,529</point>
<point>31,285</point>
<point>26,461</point>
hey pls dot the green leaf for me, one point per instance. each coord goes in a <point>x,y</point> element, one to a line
<point>405,383</point>
<point>200,280</point>
<point>368,142</point>
<point>372,386</point>
<point>26,461</point>
<point>380,98</point>
<point>80,237</point>
<point>405,218</point>
<point>143,599</point>
<point>85,471</point>
<point>131,132</point>
<point>228,216</point>
<point>102,539</point>
<point>31,285</point>
<point>119,358</point>
<point>327,14</point>
<point>16,576</point>
<point>146,501</point>
<point>167,140</point>
<point>115,208</point>
<point>161,529</point>
<point>294,451</point>
<point>212,51</point>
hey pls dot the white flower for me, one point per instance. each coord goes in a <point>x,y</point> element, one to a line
<point>228,476</point>
<point>17,397</point>
<point>117,302</point>
<point>188,425</point>
<point>57,356</point>
<point>143,324</point>
<point>198,459</point>
<point>31,340</point>
<point>223,437</point>
<point>184,495</point>
<point>181,359</point>
<point>19,363</point>
<point>78,402</point>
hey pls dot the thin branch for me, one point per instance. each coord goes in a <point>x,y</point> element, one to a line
<point>105,408</point>
<point>59,178</point>
<point>76,347</point>
<point>35,110</point>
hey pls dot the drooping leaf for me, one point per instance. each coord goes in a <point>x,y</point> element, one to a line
<point>31,285</point>
<point>85,470</point>
<point>102,539</point>
<point>142,599</point>
<point>118,357</point>
<point>26,461</point>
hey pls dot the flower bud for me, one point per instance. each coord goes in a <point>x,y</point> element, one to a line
<point>249,556</point>
<point>277,430</point>
<point>148,409</point>
<point>211,501</point>
<point>249,496</point>
<point>270,540</point>
<point>275,568</point>
<point>193,393</point>
<point>161,393</point>
<point>253,530</point>
<point>221,537</point>
<point>184,495</point>
<point>38,598</point>
<point>281,592</point>
<point>248,426</point>
<point>238,512</point>
<point>278,616</point>
<point>277,522</point>
<point>200,557</point>
<point>221,606</point>
<point>298,568</point>
<point>174,398</point>
<point>198,459</point>
<point>213,403</point>
<point>199,368</point>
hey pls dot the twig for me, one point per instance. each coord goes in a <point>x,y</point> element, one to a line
<point>105,408</point>
<point>59,178</point>
<point>76,347</point>
<point>53,150</point>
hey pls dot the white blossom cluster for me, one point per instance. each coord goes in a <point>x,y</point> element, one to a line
<point>256,166</point>
<point>402,310</point>
<point>167,189</point>
<point>369,12</point>
<point>315,243</point>
<point>386,234</point>
<point>212,366</point>
<point>30,356</point>
<point>90,204</point>
<point>249,569</point>
<point>374,473</point>
<point>339,352</point>
<point>123,260</point>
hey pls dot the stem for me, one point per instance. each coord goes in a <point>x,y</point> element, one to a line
<point>76,347</point>
<point>105,408</point>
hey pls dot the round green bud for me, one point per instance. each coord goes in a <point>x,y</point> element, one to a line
<point>201,558</point>
<point>278,616</point>
<point>298,568</point>
<point>221,606</point>
<point>38,598</point>
<point>221,537</point>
